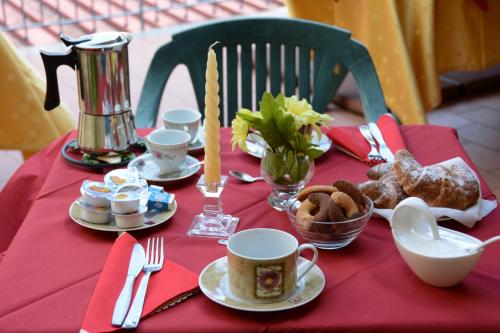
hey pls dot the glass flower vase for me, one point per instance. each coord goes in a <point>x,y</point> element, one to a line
<point>286,173</point>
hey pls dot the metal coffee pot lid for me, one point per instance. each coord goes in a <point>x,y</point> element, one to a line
<point>101,41</point>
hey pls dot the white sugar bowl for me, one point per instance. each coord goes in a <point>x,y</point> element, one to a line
<point>123,203</point>
<point>131,220</point>
<point>438,256</point>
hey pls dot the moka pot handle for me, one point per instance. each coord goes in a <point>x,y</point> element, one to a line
<point>51,61</point>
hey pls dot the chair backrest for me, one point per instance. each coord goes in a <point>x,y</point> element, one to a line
<point>255,55</point>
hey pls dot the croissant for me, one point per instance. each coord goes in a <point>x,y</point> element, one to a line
<point>467,181</point>
<point>436,185</point>
<point>384,192</point>
<point>379,170</point>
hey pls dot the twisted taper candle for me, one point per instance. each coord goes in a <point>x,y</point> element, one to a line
<point>212,124</point>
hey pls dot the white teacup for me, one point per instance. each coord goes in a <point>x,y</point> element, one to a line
<point>262,264</point>
<point>168,147</point>
<point>183,119</point>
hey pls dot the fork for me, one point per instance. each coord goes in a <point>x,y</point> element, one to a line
<point>154,263</point>
<point>373,155</point>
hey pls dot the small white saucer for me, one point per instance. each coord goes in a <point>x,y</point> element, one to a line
<point>256,145</point>
<point>152,219</point>
<point>149,170</point>
<point>196,147</point>
<point>214,284</point>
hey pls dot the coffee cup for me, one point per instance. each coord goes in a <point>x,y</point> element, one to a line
<point>183,119</point>
<point>263,264</point>
<point>168,147</point>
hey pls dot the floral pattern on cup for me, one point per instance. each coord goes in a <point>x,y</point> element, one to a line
<point>168,148</point>
<point>163,156</point>
<point>269,280</point>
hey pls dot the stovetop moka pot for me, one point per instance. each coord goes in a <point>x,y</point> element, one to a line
<point>106,122</point>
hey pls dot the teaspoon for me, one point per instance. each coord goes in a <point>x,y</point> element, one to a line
<point>244,177</point>
<point>483,244</point>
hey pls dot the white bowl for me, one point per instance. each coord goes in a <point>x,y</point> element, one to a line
<point>97,215</point>
<point>131,220</point>
<point>438,256</point>
<point>124,203</point>
<point>436,271</point>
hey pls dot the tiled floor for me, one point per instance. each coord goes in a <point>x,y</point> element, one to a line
<point>477,118</point>
<point>478,122</point>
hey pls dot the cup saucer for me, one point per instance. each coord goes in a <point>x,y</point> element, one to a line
<point>198,145</point>
<point>214,283</point>
<point>148,169</point>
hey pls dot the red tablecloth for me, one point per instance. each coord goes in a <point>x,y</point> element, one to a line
<point>52,265</point>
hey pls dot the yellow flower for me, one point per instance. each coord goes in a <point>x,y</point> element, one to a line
<point>240,132</point>
<point>304,114</point>
<point>305,119</point>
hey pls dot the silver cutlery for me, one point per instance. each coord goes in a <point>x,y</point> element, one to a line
<point>154,263</point>
<point>382,146</point>
<point>244,177</point>
<point>135,266</point>
<point>373,155</point>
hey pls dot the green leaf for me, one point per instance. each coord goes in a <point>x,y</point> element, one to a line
<point>252,120</point>
<point>275,167</point>
<point>271,116</point>
<point>313,152</point>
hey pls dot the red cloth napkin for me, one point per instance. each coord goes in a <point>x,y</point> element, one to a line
<point>350,140</point>
<point>165,288</point>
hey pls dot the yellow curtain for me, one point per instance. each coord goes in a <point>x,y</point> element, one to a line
<point>25,125</point>
<point>413,41</point>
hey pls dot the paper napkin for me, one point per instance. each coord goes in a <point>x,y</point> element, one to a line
<point>467,217</point>
<point>166,288</point>
<point>349,139</point>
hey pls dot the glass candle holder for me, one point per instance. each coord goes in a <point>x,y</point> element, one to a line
<point>212,222</point>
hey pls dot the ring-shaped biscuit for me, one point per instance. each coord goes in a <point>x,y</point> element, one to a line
<point>304,213</point>
<point>345,202</point>
<point>304,193</point>
<point>351,190</point>
<point>335,213</point>
<point>323,202</point>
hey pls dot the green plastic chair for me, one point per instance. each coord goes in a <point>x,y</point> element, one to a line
<point>292,56</point>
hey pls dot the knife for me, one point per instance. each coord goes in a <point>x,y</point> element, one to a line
<point>383,148</point>
<point>137,260</point>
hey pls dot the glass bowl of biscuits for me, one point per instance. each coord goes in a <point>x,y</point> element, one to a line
<point>330,216</point>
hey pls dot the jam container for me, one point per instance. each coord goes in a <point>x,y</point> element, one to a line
<point>119,177</point>
<point>98,215</point>
<point>140,188</point>
<point>96,194</point>
<point>131,220</point>
<point>125,202</point>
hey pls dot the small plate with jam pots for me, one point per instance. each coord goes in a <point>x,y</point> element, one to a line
<point>152,218</point>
